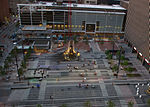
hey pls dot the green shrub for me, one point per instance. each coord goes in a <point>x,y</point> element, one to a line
<point>130,104</point>
<point>39,105</point>
<point>133,75</point>
<point>115,68</point>
<point>87,104</point>
<point>122,57</point>
<point>109,56</point>
<point>110,104</point>
<point>125,63</point>
<point>20,71</point>
<point>102,42</point>
<point>148,102</point>
<point>129,69</point>
<point>64,105</point>
<point>107,52</point>
<point>23,64</point>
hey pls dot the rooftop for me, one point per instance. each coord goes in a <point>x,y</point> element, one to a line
<point>115,7</point>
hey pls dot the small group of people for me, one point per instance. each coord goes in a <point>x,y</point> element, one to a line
<point>41,72</point>
<point>85,85</point>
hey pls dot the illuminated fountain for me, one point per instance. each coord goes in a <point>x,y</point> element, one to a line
<point>70,53</point>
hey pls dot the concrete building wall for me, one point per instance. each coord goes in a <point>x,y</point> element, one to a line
<point>13,5</point>
<point>108,22</point>
<point>4,10</point>
<point>137,26</point>
<point>124,3</point>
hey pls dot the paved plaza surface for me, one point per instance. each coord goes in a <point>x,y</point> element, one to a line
<point>73,83</point>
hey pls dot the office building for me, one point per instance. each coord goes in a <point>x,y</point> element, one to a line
<point>137,31</point>
<point>91,19</point>
<point>4,11</point>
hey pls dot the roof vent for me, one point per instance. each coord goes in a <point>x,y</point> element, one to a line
<point>75,5</point>
<point>53,3</point>
<point>59,2</point>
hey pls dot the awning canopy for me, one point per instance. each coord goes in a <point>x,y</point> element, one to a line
<point>33,28</point>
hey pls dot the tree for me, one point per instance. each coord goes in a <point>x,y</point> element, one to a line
<point>117,54</point>
<point>20,71</point>
<point>2,72</point>
<point>6,66</point>
<point>23,64</point>
<point>29,50</point>
<point>122,57</point>
<point>115,68</point>
<point>102,42</point>
<point>38,105</point>
<point>129,69</point>
<point>65,39</point>
<point>64,105</point>
<point>75,39</point>
<point>87,104</point>
<point>110,104</point>
<point>86,41</point>
<point>148,102</point>
<point>109,56</point>
<point>1,68</point>
<point>130,104</point>
<point>107,52</point>
<point>14,52</point>
<point>9,59</point>
<point>125,63</point>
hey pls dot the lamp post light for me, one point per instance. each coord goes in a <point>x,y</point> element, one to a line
<point>120,51</point>
<point>22,43</point>
<point>17,62</point>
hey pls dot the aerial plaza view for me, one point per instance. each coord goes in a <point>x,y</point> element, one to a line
<point>74,53</point>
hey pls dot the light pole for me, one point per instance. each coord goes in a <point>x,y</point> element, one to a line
<point>22,46</point>
<point>120,51</point>
<point>17,62</point>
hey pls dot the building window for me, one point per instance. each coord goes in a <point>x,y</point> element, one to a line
<point>97,25</point>
<point>90,27</point>
<point>83,25</point>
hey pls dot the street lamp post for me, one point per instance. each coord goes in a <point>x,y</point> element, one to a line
<point>22,49</point>
<point>119,62</point>
<point>17,63</point>
<point>22,45</point>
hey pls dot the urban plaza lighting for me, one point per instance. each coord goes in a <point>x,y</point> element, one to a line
<point>70,53</point>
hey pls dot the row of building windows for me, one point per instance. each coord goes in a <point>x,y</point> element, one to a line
<point>78,26</point>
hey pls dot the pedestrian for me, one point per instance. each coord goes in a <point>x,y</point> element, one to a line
<point>51,98</point>
<point>28,83</point>
<point>82,80</point>
<point>87,86</point>
<point>79,85</point>
<point>38,85</point>
<point>42,74</point>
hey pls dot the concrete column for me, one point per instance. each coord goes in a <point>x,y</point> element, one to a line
<point>31,14</point>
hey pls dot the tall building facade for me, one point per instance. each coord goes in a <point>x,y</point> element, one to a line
<point>13,5</point>
<point>4,10</point>
<point>137,32</point>
<point>87,19</point>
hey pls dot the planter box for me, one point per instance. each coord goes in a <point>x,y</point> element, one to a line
<point>133,75</point>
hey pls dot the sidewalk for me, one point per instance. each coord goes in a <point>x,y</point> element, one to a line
<point>136,63</point>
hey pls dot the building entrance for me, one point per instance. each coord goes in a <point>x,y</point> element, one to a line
<point>90,27</point>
